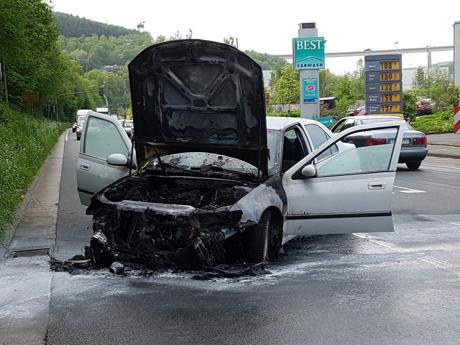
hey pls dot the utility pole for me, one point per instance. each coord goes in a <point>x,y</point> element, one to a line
<point>457,53</point>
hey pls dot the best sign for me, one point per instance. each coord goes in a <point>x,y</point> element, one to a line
<point>308,53</point>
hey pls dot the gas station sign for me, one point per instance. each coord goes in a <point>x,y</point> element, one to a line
<point>383,79</point>
<point>308,53</point>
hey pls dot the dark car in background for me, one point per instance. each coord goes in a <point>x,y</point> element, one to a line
<point>414,145</point>
<point>424,106</point>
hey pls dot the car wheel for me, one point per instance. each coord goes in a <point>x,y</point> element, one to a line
<point>256,240</point>
<point>413,165</point>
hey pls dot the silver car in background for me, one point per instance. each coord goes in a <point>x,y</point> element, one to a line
<point>414,145</point>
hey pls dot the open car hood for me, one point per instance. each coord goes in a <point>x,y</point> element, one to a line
<point>202,96</point>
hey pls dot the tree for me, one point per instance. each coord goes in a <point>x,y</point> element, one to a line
<point>437,85</point>
<point>266,61</point>
<point>327,83</point>
<point>232,41</point>
<point>284,86</point>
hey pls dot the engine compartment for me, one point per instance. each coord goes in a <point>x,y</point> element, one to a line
<point>160,240</point>
<point>201,193</point>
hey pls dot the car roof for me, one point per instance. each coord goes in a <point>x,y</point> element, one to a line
<point>280,122</point>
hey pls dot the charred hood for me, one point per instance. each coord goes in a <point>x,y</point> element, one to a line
<point>194,95</point>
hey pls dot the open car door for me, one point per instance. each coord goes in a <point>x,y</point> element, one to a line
<point>347,191</point>
<point>102,136</point>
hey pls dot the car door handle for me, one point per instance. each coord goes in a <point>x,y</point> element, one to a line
<point>84,167</point>
<point>376,185</point>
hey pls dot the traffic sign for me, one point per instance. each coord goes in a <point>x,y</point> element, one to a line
<point>456,119</point>
<point>383,79</point>
<point>326,120</point>
<point>308,53</point>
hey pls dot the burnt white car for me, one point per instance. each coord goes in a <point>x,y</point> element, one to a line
<point>207,166</point>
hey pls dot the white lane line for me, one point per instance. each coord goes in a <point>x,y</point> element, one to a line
<point>67,135</point>
<point>429,260</point>
<point>410,190</point>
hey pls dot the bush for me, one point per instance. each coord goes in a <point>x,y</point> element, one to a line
<point>409,106</point>
<point>292,113</point>
<point>441,122</point>
<point>25,142</point>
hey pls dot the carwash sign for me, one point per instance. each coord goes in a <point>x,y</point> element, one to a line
<point>308,53</point>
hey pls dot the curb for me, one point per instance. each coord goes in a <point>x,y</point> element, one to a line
<point>441,155</point>
<point>10,230</point>
<point>440,144</point>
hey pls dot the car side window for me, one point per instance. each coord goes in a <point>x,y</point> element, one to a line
<point>347,124</point>
<point>294,148</point>
<point>371,153</point>
<point>102,138</point>
<point>318,137</point>
<point>338,126</point>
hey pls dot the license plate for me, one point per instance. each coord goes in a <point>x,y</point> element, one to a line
<point>406,141</point>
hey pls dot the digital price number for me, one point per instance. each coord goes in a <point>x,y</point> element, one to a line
<point>384,87</point>
<point>389,76</point>
<point>390,65</point>
<point>390,108</point>
<point>392,97</point>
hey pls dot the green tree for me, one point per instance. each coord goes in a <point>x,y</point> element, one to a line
<point>437,85</point>
<point>284,86</point>
<point>327,83</point>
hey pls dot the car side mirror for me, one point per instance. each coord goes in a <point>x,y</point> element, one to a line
<point>117,159</point>
<point>309,171</point>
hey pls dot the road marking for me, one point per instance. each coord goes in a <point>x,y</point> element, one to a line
<point>410,190</point>
<point>429,260</point>
<point>67,135</point>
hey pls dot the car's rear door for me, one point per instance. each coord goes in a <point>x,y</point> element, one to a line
<point>351,191</point>
<point>102,136</point>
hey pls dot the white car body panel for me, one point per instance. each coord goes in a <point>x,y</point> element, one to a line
<point>93,173</point>
<point>356,202</point>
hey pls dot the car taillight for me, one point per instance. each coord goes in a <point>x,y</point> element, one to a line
<point>419,141</point>
<point>374,141</point>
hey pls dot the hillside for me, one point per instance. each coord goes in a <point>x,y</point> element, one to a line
<point>74,26</point>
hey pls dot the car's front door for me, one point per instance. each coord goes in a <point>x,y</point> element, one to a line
<point>101,137</point>
<point>349,191</point>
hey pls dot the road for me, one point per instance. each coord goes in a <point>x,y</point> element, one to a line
<point>391,288</point>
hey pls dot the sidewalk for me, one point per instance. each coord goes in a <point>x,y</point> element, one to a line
<point>445,145</point>
<point>35,232</point>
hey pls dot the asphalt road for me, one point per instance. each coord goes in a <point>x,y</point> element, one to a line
<point>391,288</point>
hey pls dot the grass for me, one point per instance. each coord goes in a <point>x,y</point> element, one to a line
<point>25,142</point>
<point>442,122</point>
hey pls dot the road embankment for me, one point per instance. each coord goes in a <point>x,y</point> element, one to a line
<point>25,142</point>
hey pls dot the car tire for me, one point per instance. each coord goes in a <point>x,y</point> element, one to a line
<point>413,165</point>
<point>256,240</point>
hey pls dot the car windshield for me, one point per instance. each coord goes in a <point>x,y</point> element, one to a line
<point>207,161</point>
<point>402,122</point>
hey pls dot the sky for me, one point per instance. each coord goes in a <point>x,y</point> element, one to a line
<point>269,26</point>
